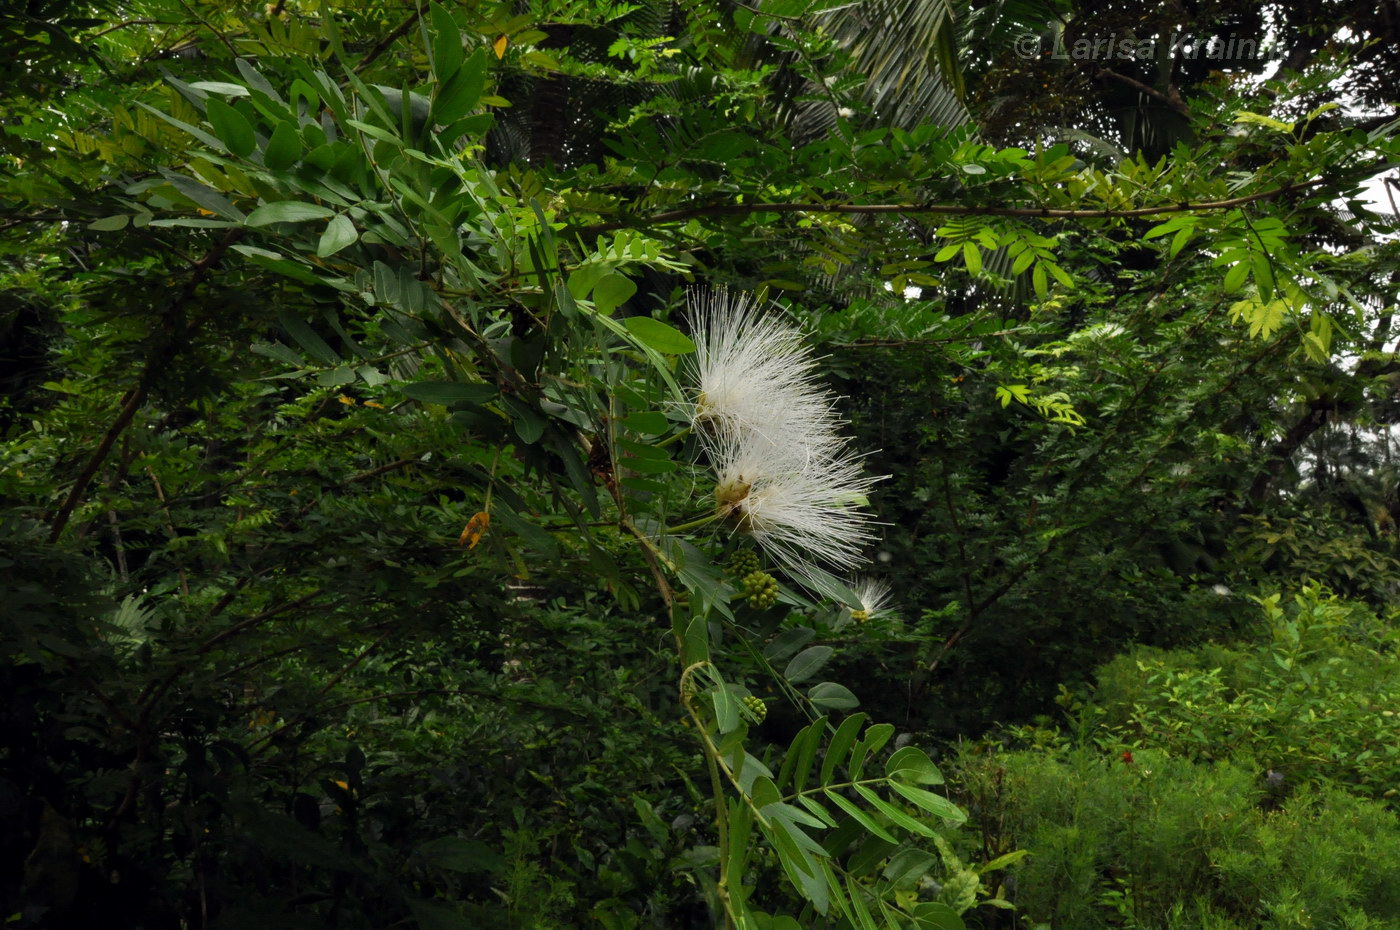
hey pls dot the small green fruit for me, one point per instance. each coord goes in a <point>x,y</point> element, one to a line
<point>756,707</point>
<point>761,589</point>
<point>743,563</point>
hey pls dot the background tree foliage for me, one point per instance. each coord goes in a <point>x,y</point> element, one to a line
<point>343,424</point>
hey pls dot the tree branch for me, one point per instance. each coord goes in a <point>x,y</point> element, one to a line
<point>127,24</point>
<point>253,621</point>
<point>903,343</point>
<point>943,209</point>
<point>260,744</point>
<point>382,469</point>
<point>1170,98</point>
<point>134,398</point>
<point>131,402</point>
<point>387,41</point>
<point>1319,412</point>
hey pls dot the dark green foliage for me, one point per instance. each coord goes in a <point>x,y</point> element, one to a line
<point>356,808</point>
<point>349,557</point>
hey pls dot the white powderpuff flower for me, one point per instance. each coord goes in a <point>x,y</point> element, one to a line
<point>845,112</point>
<point>784,473</point>
<point>756,380</point>
<point>873,595</point>
<point>802,513</point>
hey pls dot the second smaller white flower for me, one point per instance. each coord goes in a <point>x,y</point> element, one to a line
<point>873,595</point>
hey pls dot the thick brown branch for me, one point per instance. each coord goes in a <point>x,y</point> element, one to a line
<point>901,343</point>
<point>943,209</point>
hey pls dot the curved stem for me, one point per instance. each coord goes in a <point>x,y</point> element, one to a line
<point>655,559</point>
<point>693,524</point>
<point>676,438</point>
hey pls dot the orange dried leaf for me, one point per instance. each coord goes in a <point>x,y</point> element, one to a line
<point>500,45</point>
<point>475,529</point>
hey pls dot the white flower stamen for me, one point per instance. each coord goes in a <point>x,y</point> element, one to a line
<point>784,473</point>
<point>755,375</point>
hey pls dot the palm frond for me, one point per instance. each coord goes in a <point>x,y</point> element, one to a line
<point>906,50</point>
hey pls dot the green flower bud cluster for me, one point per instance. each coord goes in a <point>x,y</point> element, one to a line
<point>860,616</point>
<point>761,589</point>
<point>744,562</point>
<point>756,707</point>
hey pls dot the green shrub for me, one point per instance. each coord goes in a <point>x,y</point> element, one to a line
<point>1228,787</point>
<point>1152,841</point>
<point>1318,701</point>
